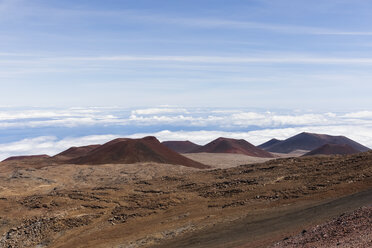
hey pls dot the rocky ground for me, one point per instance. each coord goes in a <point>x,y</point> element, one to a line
<point>145,205</point>
<point>348,230</point>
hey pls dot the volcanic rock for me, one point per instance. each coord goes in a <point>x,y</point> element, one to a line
<point>311,141</point>
<point>19,158</point>
<point>130,151</point>
<point>226,145</point>
<point>269,143</point>
<point>181,146</point>
<point>75,152</point>
<point>330,149</point>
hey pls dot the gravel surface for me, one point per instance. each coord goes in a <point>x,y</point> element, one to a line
<point>348,230</point>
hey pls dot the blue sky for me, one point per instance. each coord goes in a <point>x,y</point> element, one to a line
<point>312,55</point>
<point>82,72</point>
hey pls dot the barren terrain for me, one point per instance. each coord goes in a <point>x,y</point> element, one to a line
<point>149,204</point>
<point>224,160</point>
<point>352,229</point>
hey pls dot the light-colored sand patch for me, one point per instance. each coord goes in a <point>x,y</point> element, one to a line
<point>296,153</point>
<point>224,160</point>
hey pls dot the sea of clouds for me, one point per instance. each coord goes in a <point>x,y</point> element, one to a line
<point>26,131</point>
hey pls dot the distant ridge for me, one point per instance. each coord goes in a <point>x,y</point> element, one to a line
<point>226,145</point>
<point>181,146</point>
<point>18,158</point>
<point>129,151</point>
<point>75,152</point>
<point>311,141</point>
<point>269,143</point>
<point>330,149</point>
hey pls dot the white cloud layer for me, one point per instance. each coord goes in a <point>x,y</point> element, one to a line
<point>224,118</point>
<point>154,111</point>
<point>197,125</point>
<point>48,145</point>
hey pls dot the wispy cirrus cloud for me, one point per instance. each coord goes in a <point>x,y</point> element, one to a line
<point>48,62</point>
<point>282,59</point>
<point>236,24</point>
<point>146,18</point>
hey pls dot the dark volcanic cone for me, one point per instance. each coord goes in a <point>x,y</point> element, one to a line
<point>181,146</point>
<point>311,141</point>
<point>269,143</point>
<point>129,151</point>
<point>226,145</point>
<point>330,149</point>
<point>75,152</point>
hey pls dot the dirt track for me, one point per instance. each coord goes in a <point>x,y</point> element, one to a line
<point>263,232</point>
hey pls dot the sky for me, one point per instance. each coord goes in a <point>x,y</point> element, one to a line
<point>75,72</point>
<point>254,53</point>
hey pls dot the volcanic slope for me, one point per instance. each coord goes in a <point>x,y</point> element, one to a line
<point>330,149</point>
<point>32,157</point>
<point>75,152</point>
<point>142,205</point>
<point>181,146</point>
<point>130,151</point>
<point>351,229</point>
<point>226,145</point>
<point>269,143</point>
<point>310,141</point>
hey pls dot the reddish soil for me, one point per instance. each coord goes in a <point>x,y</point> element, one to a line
<point>226,145</point>
<point>75,152</point>
<point>311,141</point>
<point>330,149</point>
<point>273,227</point>
<point>149,204</point>
<point>129,151</point>
<point>269,143</point>
<point>348,230</point>
<point>181,146</point>
<point>18,158</point>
